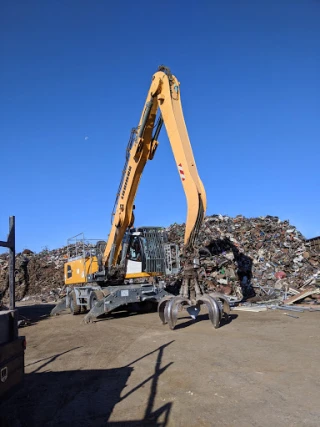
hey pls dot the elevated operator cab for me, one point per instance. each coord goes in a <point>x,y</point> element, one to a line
<point>145,252</point>
<point>149,251</point>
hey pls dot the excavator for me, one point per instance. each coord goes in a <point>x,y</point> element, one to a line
<point>135,263</point>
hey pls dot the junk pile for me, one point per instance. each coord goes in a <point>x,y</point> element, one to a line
<point>246,259</point>
<point>38,276</point>
<point>254,259</point>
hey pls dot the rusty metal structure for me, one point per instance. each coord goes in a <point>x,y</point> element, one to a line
<point>314,244</point>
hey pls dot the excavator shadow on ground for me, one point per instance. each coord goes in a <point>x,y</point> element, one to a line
<point>83,397</point>
<point>130,310</point>
<point>35,313</point>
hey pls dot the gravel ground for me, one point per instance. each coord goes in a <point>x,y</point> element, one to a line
<point>261,369</point>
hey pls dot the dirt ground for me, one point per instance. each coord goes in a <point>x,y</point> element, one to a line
<point>261,369</point>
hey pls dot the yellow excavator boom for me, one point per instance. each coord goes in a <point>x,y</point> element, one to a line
<point>163,95</point>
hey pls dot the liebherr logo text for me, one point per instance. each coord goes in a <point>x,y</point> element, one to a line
<point>126,182</point>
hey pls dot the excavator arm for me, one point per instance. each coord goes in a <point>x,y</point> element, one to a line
<point>163,95</point>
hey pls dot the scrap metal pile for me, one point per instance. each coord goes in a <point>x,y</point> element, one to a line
<point>253,258</point>
<point>38,276</point>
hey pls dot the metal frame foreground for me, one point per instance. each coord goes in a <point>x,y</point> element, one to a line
<point>11,245</point>
<point>12,346</point>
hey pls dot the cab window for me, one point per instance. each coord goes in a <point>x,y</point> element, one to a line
<point>69,271</point>
<point>135,250</point>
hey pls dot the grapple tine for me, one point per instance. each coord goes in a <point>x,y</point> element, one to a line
<point>162,309</point>
<point>224,299</point>
<point>217,313</point>
<point>226,308</point>
<point>217,304</point>
<point>213,309</point>
<point>166,312</point>
<point>204,300</point>
<point>173,310</point>
<point>171,319</point>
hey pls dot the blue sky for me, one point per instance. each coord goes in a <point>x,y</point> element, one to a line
<point>73,80</point>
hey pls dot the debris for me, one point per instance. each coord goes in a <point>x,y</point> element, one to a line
<point>23,321</point>
<point>291,315</point>
<point>286,307</point>
<point>257,260</point>
<point>27,252</point>
<point>302,295</point>
<point>254,309</point>
<point>253,259</point>
<point>38,277</point>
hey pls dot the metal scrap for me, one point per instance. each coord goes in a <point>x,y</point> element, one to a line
<point>291,315</point>
<point>253,259</point>
<point>246,259</point>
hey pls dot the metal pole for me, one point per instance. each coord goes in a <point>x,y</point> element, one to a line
<point>12,255</point>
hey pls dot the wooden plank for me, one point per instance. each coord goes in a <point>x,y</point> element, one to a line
<point>251,309</point>
<point>301,295</point>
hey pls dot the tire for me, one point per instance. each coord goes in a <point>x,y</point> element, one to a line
<point>94,297</point>
<point>84,309</point>
<point>74,307</point>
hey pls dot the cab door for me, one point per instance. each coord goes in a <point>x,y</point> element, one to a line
<point>135,256</point>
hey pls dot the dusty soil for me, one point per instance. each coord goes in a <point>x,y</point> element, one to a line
<point>261,369</point>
